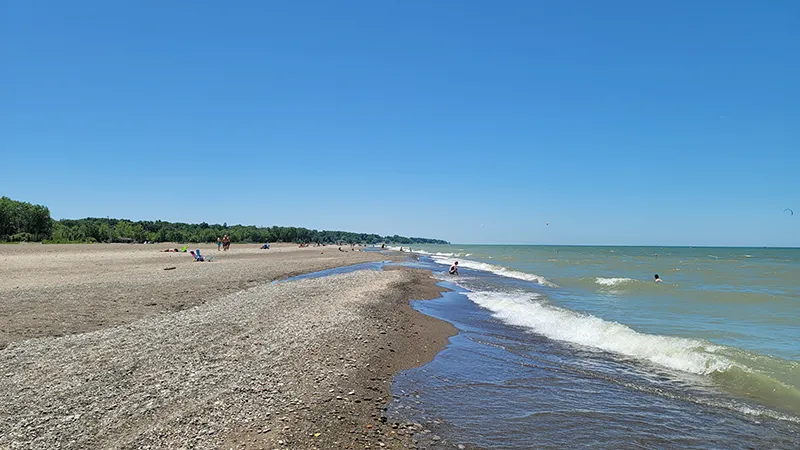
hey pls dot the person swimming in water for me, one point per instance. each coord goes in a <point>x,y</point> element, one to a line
<point>454,268</point>
<point>657,279</point>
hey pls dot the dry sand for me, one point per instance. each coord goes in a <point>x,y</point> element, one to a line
<point>55,290</point>
<point>208,355</point>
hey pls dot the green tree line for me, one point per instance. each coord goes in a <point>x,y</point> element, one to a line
<point>22,221</point>
<point>39,226</point>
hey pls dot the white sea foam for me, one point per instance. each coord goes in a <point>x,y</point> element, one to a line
<point>499,270</point>
<point>750,411</point>
<point>528,311</point>
<point>613,281</point>
<point>423,252</point>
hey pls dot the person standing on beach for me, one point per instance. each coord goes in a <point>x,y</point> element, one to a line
<point>454,268</point>
<point>219,243</point>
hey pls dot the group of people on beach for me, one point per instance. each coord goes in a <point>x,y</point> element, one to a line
<point>224,242</point>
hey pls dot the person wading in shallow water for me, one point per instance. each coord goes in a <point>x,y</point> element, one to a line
<point>454,268</point>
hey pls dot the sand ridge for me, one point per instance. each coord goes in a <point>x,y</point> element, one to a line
<point>296,364</point>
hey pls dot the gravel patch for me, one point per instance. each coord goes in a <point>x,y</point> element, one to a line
<point>247,362</point>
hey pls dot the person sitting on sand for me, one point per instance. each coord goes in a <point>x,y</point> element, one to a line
<point>454,268</point>
<point>657,279</point>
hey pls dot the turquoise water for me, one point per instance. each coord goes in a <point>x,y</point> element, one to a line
<point>726,319</point>
<point>741,297</point>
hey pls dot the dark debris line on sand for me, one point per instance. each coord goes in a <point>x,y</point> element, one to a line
<point>302,364</point>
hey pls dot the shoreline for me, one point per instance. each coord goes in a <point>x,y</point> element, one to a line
<point>349,414</point>
<point>302,364</point>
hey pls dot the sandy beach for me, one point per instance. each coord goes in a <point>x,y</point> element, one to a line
<point>103,348</point>
<point>55,290</point>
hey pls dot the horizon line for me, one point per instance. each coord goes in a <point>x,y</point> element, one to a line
<point>627,245</point>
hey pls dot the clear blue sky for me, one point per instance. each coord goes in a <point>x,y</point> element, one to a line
<point>618,122</point>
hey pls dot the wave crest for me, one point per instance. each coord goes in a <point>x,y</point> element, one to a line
<point>498,270</point>
<point>609,282</point>
<point>687,355</point>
